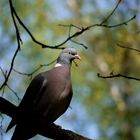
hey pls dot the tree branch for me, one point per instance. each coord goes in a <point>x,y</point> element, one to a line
<point>84,29</point>
<point>34,71</point>
<point>6,85</point>
<point>130,48</point>
<point>113,11</point>
<point>117,75</point>
<point>76,34</point>
<point>18,46</point>
<point>55,132</point>
<point>51,131</point>
<point>113,26</point>
<point>29,33</point>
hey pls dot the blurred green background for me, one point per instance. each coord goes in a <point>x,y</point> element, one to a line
<point>101,109</point>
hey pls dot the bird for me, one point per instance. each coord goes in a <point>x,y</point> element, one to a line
<point>47,97</point>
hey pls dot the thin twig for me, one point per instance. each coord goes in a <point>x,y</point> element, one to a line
<point>107,18</point>
<point>118,75</point>
<point>125,47</point>
<point>112,26</point>
<point>18,46</point>
<point>14,92</point>
<point>44,65</point>
<point>81,44</point>
<point>34,71</point>
<point>4,74</point>
<point>71,25</point>
<point>69,34</point>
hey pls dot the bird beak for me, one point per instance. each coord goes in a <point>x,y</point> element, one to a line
<point>77,57</point>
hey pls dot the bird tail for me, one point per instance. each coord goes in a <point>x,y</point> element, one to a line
<point>23,133</point>
<point>12,123</point>
<point>18,134</point>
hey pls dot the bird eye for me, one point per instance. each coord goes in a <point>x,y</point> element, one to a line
<point>69,52</point>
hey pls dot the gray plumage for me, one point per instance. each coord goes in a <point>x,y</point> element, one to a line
<point>47,97</point>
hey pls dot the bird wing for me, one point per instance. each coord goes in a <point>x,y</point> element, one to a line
<point>32,94</point>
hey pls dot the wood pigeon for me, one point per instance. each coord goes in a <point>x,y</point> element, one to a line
<point>47,97</point>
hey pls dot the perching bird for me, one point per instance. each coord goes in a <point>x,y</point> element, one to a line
<point>47,97</point>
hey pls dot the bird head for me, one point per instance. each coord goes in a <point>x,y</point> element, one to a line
<point>67,56</point>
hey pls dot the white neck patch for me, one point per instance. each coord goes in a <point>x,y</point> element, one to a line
<point>58,65</point>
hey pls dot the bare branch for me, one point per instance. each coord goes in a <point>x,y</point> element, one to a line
<point>81,44</point>
<point>125,47</point>
<point>44,65</point>
<point>84,29</point>
<point>55,132</point>
<point>18,46</point>
<point>30,34</point>
<point>112,26</point>
<point>118,75</point>
<point>78,33</point>
<point>33,72</point>
<point>4,74</point>
<point>71,25</point>
<point>15,93</point>
<point>102,24</point>
<point>113,11</point>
